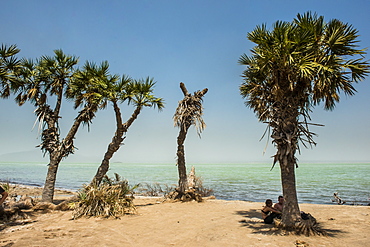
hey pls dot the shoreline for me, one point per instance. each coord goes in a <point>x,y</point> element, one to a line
<point>62,192</point>
<point>27,185</point>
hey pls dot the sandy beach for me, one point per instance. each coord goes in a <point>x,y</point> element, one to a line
<point>210,223</point>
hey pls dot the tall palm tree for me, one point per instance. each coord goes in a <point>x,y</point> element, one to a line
<point>9,64</point>
<point>189,112</point>
<point>292,68</point>
<point>84,86</point>
<point>44,81</point>
<point>138,93</point>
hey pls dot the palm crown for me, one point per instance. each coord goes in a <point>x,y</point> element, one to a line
<point>140,93</point>
<point>308,59</point>
<point>45,77</point>
<point>190,110</point>
<point>94,84</point>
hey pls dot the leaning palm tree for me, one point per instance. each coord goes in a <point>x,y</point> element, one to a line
<point>138,93</point>
<point>40,81</point>
<point>189,112</point>
<point>292,68</point>
<point>45,82</point>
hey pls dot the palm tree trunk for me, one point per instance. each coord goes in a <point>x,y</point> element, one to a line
<point>57,154</point>
<point>112,147</point>
<point>48,191</point>
<point>116,142</point>
<point>50,144</point>
<point>59,101</point>
<point>285,136</point>
<point>183,181</point>
<point>85,115</point>
<point>291,212</point>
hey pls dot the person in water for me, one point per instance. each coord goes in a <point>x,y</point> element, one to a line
<point>269,213</point>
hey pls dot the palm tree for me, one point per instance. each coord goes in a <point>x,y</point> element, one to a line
<point>138,93</point>
<point>293,68</point>
<point>189,112</point>
<point>9,64</point>
<point>47,80</point>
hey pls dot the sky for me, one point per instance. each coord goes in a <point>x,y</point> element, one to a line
<point>194,42</point>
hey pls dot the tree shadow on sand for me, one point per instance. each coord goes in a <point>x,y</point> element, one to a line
<point>3,226</point>
<point>253,219</point>
<point>145,204</point>
<point>16,217</point>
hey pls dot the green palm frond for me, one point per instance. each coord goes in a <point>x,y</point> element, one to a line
<point>93,85</point>
<point>306,62</point>
<point>307,54</point>
<point>9,66</point>
<point>140,94</point>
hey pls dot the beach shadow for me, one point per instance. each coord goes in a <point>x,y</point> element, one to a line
<point>15,223</point>
<point>57,202</point>
<point>22,217</point>
<point>253,219</point>
<point>144,205</point>
<point>150,201</point>
<point>332,233</point>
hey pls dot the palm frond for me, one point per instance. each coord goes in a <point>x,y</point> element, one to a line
<point>190,112</point>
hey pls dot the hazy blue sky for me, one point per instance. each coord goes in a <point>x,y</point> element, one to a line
<point>195,42</point>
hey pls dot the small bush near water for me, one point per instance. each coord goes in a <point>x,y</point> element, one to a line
<point>112,198</point>
<point>156,189</point>
<point>203,191</point>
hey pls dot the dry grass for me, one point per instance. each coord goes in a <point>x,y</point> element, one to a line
<point>112,198</point>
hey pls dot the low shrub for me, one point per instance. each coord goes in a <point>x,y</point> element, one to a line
<point>203,191</point>
<point>112,198</point>
<point>155,189</point>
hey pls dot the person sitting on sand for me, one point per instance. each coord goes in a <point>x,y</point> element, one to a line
<point>4,195</point>
<point>269,213</point>
<point>279,206</point>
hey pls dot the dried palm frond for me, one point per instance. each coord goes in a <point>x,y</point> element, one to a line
<point>190,111</point>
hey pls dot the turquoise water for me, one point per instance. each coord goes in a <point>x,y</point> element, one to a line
<point>316,183</point>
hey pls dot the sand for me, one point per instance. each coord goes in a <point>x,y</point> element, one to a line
<point>210,223</point>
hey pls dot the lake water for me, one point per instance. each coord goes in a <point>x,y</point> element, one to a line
<point>316,183</point>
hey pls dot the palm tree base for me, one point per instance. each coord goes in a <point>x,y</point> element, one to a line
<point>308,227</point>
<point>187,196</point>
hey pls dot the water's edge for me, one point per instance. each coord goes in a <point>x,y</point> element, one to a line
<point>316,183</point>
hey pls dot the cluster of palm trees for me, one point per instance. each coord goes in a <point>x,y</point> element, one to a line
<point>49,81</point>
<point>292,68</point>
